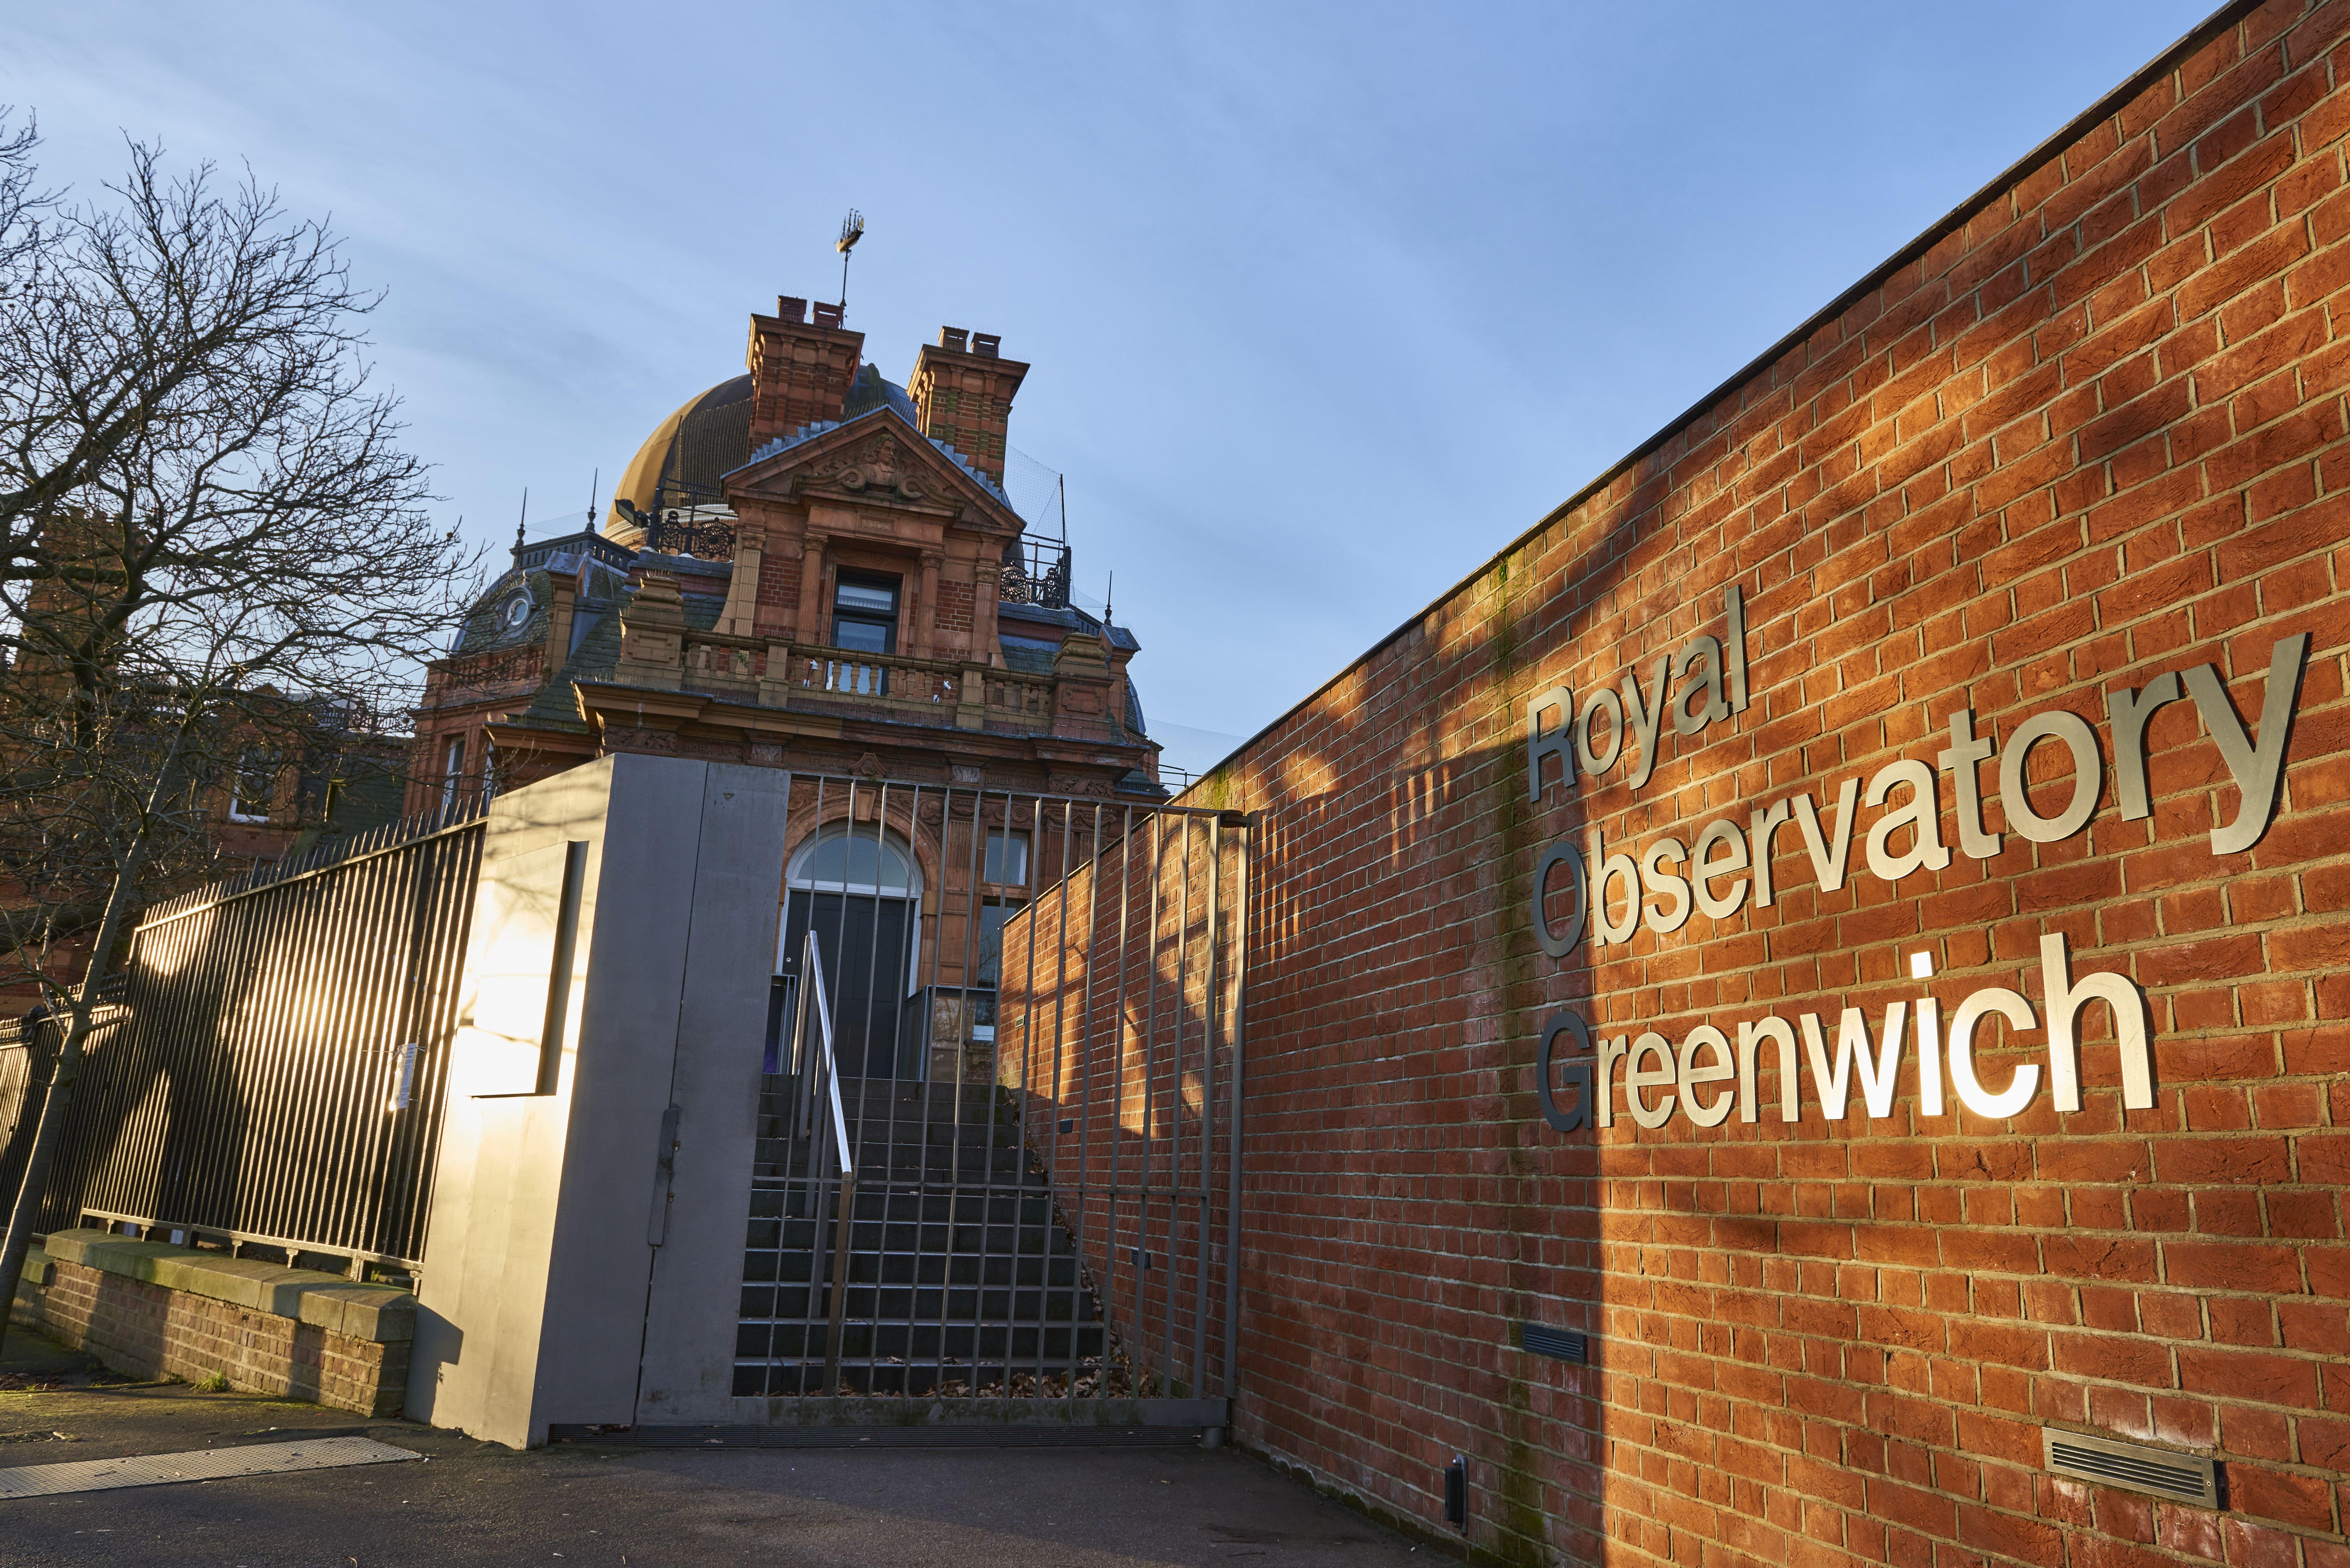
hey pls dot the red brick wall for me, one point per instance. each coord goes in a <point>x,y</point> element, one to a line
<point>150,1331</point>
<point>954,613</point>
<point>2089,436</point>
<point>1118,985</point>
<point>779,582</point>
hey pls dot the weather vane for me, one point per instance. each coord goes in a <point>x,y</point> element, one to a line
<point>852,229</point>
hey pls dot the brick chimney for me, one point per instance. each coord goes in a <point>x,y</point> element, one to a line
<point>962,393</point>
<point>800,372</point>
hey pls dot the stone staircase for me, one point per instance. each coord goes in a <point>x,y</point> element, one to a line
<point>961,1280</point>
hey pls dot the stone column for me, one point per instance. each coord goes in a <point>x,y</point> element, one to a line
<point>986,592</point>
<point>926,613</point>
<point>740,618</point>
<point>811,627</point>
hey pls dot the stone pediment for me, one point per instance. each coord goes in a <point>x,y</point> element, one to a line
<point>877,458</point>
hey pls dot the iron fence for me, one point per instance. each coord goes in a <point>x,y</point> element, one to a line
<point>277,1073</point>
<point>1041,1207</point>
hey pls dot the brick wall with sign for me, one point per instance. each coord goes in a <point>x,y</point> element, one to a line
<point>2036,539</point>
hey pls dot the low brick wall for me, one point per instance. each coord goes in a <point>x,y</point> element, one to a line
<point>152,1310</point>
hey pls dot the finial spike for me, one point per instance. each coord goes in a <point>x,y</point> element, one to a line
<point>523,518</point>
<point>595,488</point>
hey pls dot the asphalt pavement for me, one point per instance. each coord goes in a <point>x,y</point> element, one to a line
<point>466,1502</point>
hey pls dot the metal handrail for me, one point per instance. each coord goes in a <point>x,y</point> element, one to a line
<point>828,1066</point>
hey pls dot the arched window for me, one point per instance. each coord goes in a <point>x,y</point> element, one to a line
<point>848,858</point>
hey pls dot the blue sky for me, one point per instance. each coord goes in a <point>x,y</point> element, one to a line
<point>1325,302</point>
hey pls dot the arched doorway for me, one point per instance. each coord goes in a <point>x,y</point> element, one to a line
<point>859,887</point>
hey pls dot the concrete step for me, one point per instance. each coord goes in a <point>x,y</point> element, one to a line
<point>989,1379</point>
<point>1020,1343</point>
<point>955,1307</point>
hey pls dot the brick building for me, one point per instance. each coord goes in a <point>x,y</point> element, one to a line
<point>1805,999</point>
<point>811,567</point>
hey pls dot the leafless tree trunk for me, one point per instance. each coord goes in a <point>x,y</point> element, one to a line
<point>212,549</point>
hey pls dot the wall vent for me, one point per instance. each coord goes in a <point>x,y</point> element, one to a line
<point>1558,1344</point>
<point>2183,1477</point>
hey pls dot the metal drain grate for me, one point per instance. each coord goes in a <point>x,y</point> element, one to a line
<point>1558,1344</point>
<point>204,1464</point>
<point>2185,1478</point>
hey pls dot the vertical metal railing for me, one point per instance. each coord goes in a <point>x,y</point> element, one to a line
<point>1032,1075</point>
<point>276,1076</point>
<point>824,1068</point>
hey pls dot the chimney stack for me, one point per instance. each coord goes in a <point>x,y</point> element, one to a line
<point>800,372</point>
<point>962,391</point>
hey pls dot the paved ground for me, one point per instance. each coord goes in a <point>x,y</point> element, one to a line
<point>470,1503</point>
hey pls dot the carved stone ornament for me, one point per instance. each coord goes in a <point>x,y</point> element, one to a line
<point>958,773</point>
<point>876,461</point>
<point>868,766</point>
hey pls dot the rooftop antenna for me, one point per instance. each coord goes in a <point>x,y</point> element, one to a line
<point>595,488</point>
<point>523,518</point>
<point>852,229</point>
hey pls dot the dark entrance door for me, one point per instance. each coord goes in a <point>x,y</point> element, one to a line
<point>866,946</point>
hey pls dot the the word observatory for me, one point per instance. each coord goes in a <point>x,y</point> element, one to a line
<point>1917,815</point>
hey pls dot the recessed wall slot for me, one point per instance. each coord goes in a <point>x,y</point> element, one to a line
<point>1558,1344</point>
<point>1456,1492</point>
<point>2183,1477</point>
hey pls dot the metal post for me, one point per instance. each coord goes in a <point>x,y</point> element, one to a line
<point>1240,1056</point>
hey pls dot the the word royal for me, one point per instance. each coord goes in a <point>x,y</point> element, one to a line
<point>1920,810</point>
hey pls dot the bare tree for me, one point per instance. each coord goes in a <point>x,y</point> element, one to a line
<point>212,550</point>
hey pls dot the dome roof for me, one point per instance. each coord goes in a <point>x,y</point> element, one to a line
<point>710,434</point>
<point>690,452</point>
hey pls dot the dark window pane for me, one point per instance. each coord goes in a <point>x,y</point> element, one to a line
<point>991,942</point>
<point>862,635</point>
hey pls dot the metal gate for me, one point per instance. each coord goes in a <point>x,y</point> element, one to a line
<point>272,1078</point>
<point>998,1156</point>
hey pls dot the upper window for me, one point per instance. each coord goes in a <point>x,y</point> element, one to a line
<point>992,916</point>
<point>256,786</point>
<point>1007,858</point>
<point>865,613</point>
<point>851,858</point>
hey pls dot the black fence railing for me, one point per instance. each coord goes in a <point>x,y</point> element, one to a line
<point>1037,572</point>
<point>674,533</point>
<point>277,1073</point>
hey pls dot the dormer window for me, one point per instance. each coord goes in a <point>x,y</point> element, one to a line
<point>256,788</point>
<point>865,613</point>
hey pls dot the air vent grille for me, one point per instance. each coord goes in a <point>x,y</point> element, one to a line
<point>2185,1478</point>
<point>1558,1344</point>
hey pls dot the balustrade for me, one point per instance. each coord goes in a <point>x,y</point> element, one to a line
<point>968,696</point>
